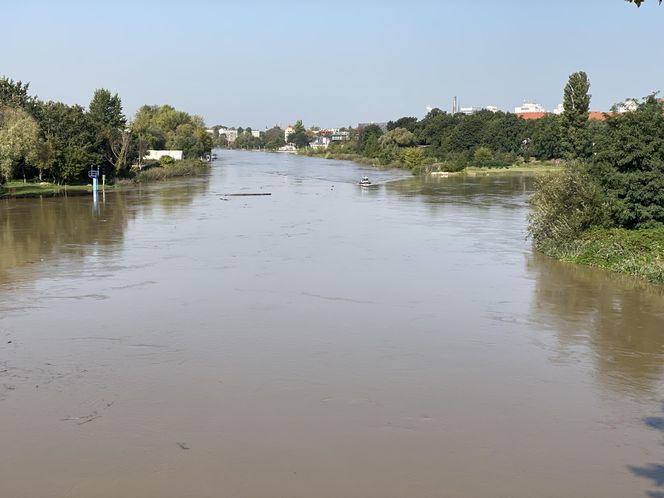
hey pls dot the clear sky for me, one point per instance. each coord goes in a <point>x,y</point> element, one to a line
<point>330,63</point>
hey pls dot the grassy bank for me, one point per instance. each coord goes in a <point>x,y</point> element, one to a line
<point>179,169</point>
<point>633,252</point>
<point>535,167</point>
<point>40,189</point>
<point>524,168</point>
<point>184,168</point>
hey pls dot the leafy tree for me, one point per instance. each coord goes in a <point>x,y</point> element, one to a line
<point>576,103</point>
<point>274,138</point>
<point>19,142</point>
<point>299,136</point>
<point>503,132</point>
<point>15,94</point>
<point>400,137</point>
<point>408,123</point>
<point>469,133</point>
<point>164,127</point>
<point>69,138</point>
<point>483,157</point>
<point>564,205</point>
<point>367,143</point>
<point>629,165</point>
<point>547,137</point>
<point>413,157</point>
<point>109,122</point>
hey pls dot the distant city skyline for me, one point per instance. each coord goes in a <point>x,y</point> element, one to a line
<point>331,65</point>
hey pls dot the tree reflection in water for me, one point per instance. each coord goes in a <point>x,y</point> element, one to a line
<point>619,318</point>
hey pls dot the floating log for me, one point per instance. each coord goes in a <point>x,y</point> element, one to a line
<point>247,194</point>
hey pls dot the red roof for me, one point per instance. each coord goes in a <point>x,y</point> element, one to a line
<point>531,115</point>
<point>592,115</point>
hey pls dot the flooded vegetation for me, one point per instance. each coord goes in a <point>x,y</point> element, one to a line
<point>327,340</point>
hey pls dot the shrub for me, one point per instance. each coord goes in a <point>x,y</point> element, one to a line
<point>166,160</point>
<point>564,205</point>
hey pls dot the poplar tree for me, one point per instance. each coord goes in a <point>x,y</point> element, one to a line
<point>576,103</point>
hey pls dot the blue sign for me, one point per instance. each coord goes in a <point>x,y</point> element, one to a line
<point>93,173</point>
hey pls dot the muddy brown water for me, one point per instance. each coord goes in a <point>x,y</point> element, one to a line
<point>324,341</point>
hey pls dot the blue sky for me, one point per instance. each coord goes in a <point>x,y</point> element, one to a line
<point>331,63</point>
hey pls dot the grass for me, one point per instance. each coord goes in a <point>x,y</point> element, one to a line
<point>633,252</point>
<point>17,189</point>
<point>186,167</point>
<point>531,168</point>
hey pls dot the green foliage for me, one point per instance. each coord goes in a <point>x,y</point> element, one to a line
<point>546,135</point>
<point>15,94</point>
<point>483,157</point>
<point>564,205</point>
<point>19,142</point>
<point>186,167</point>
<point>634,252</point>
<point>413,157</point>
<point>576,103</point>
<point>409,123</point>
<point>629,165</point>
<point>274,138</point>
<point>70,141</point>
<point>166,161</point>
<point>108,121</point>
<point>367,143</point>
<point>164,127</point>
<point>399,137</point>
<point>299,136</point>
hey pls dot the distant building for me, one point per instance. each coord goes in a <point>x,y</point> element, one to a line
<point>530,110</point>
<point>340,136</point>
<point>230,134</point>
<point>628,105</point>
<point>529,107</point>
<point>155,155</point>
<point>256,133</point>
<point>472,110</point>
<point>210,131</point>
<point>320,142</point>
<point>287,132</point>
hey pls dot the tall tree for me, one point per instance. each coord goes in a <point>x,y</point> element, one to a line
<point>576,103</point>
<point>15,93</point>
<point>19,142</point>
<point>109,122</point>
<point>299,136</point>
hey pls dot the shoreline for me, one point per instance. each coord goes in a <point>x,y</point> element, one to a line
<point>35,190</point>
<point>637,253</point>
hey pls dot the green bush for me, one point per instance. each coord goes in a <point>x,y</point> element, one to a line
<point>166,161</point>
<point>564,205</point>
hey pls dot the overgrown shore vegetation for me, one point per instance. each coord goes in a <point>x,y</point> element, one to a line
<point>47,145</point>
<point>607,208</point>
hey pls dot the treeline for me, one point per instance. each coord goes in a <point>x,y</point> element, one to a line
<point>56,142</point>
<point>452,142</point>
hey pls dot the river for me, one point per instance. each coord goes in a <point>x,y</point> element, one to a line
<point>324,341</point>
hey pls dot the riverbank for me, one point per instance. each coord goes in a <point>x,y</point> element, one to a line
<point>536,167</point>
<point>180,169</point>
<point>42,189</point>
<point>639,253</point>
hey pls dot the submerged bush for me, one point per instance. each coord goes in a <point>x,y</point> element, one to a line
<point>564,206</point>
<point>186,167</point>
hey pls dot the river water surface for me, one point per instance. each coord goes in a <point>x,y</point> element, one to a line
<point>324,341</point>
